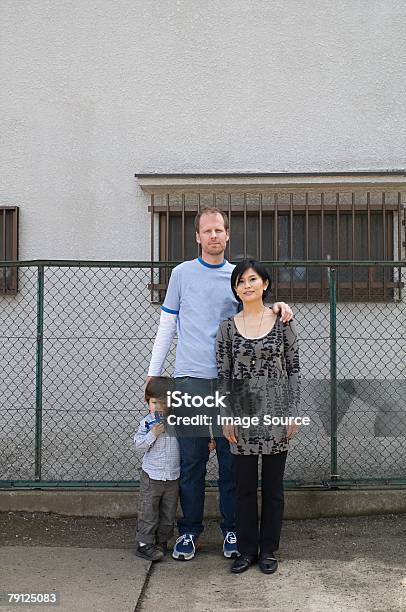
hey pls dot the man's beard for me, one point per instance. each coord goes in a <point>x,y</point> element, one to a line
<point>215,248</point>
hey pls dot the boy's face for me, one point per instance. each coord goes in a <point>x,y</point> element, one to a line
<point>157,404</point>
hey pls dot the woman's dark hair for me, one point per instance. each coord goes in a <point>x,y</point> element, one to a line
<point>245,265</point>
<point>158,386</point>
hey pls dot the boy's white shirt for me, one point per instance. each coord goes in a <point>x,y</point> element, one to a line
<point>163,340</point>
<point>161,457</point>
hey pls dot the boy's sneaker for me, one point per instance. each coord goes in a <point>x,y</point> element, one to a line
<point>230,549</point>
<point>150,552</point>
<point>185,547</point>
<point>162,546</point>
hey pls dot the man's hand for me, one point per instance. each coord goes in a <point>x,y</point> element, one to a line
<point>146,382</point>
<point>229,433</point>
<point>158,429</point>
<point>284,310</point>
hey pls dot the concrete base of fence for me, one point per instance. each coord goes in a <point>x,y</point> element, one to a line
<point>120,504</point>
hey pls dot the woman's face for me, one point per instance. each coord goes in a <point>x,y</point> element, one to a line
<point>250,286</point>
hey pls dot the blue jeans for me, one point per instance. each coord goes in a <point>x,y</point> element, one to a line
<point>194,454</point>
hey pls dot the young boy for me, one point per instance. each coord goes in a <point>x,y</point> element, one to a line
<point>159,476</point>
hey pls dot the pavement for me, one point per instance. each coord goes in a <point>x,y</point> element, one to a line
<point>354,564</point>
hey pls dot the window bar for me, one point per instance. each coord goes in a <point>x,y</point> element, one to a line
<point>3,251</point>
<point>275,243</point>
<point>260,227</point>
<point>214,200</point>
<point>307,242</point>
<point>3,233</point>
<point>385,255</point>
<point>322,241</point>
<point>152,247</point>
<point>167,229</point>
<point>353,242</point>
<point>245,225</point>
<point>370,270</point>
<point>183,227</point>
<point>404,225</point>
<point>291,243</point>
<point>15,235</point>
<point>229,226</point>
<point>198,210</point>
<point>399,242</point>
<point>167,239</point>
<point>15,253</point>
<point>338,243</point>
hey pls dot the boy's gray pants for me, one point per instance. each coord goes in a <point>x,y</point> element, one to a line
<point>158,500</point>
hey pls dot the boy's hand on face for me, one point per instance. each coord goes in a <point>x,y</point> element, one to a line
<point>158,429</point>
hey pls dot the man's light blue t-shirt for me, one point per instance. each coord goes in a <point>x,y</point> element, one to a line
<point>200,295</point>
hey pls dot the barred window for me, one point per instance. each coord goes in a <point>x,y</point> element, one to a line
<point>343,225</point>
<point>8,248</point>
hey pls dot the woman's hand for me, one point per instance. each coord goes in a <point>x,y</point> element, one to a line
<point>292,430</point>
<point>284,310</point>
<point>212,445</point>
<point>229,433</point>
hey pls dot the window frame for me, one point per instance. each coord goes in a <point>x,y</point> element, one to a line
<point>162,189</point>
<point>7,287</point>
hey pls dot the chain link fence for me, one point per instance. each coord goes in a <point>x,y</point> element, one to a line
<point>75,343</point>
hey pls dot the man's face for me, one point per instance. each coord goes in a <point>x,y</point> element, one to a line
<point>212,235</point>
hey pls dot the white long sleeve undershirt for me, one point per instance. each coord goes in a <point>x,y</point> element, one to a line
<point>163,340</point>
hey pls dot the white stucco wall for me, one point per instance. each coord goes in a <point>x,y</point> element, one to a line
<point>95,91</point>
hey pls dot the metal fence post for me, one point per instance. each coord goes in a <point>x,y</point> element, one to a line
<point>333,373</point>
<point>39,371</point>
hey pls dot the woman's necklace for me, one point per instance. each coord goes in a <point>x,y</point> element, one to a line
<point>253,360</point>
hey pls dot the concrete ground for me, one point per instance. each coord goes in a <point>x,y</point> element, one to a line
<point>353,564</point>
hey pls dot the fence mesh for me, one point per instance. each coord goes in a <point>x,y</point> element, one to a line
<point>75,344</point>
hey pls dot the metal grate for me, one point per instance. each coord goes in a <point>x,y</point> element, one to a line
<point>308,226</point>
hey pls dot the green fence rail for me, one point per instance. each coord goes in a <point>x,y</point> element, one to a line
<point>75,342</point>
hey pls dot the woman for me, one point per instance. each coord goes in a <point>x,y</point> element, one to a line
<point>258,365</point>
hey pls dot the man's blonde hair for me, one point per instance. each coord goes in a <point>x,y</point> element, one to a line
<point>210,210</point>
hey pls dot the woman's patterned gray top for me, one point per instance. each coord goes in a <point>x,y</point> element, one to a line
<point>260,377</point>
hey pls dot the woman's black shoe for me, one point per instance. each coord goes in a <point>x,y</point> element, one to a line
<point>267,563</point>
<point>242,563</point>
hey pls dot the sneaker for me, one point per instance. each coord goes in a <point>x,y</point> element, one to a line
<point>150,552</point>
<point>185,547</point>
<point>230,545</point>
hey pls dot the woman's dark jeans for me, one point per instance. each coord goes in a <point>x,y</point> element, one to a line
<point>248,535</point>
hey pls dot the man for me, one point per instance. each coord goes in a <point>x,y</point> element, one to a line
<point>198,298</point>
